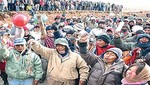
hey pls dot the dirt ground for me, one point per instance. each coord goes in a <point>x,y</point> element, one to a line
<point>6,17</point>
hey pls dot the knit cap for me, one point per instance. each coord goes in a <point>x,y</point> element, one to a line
<point>105,38</point>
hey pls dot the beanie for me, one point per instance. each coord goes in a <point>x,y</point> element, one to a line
<point>139,32</point>
<point>117,51</point>
<point>61,41</point>
<point>49,28</point>
<point>70,32</point>
<point>143,45</point>
<point>146,27</point>
<point>105,38</point>
<point>143,35</point>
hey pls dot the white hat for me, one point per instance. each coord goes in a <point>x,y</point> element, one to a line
<point>79,26</point>
<point>67,28</point>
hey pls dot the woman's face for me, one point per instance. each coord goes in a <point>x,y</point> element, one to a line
<point>109,57</point>
<point>131,72</point>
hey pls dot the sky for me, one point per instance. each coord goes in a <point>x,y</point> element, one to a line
<point>130,4</point>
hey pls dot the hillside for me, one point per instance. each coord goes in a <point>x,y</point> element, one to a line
<point>6,16</point>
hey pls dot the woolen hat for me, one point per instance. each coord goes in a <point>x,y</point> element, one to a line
<point>139,32</point>
<point>61,41</point>
<point>105,38</point>
<point>49,28</point>
<point>143,35</point>
<point>117,51</point>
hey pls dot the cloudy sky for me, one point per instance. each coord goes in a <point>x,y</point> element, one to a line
<point>131,4</point>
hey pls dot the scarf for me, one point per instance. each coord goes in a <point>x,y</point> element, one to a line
<point>101,50</point>
<point>143,45</point>
<point>125,82</point>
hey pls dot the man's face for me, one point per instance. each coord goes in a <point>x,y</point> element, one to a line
<point>100,42</point>
<point>20,47</point>
<point>143,40</point>
<point>26,32</point>
<point>126,22</point>
<point>109,32</point>
<point>147,31</point>
<point>139,21</point>
<point>50,32</point>
<point>109,57</point>
<point>102,25</point>
<point>131,23</point>
<point>93,21</point>
<point>60,48</point>
<point>68,36</point>
<point>57,20</point>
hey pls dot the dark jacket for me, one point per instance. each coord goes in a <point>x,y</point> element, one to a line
<point>99,75</point>
<point>147,58</point>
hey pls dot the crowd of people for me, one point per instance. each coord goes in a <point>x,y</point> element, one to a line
<point>57,5</point>
<point>88,50</point>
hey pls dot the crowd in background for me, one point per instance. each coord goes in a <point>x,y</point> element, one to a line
<point>108,44</point>
<point>58,5</point>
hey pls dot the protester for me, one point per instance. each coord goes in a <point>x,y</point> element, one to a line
<point>147,29</point>
<point>103,66</point>
<point>23,66</point>
<point>3,73</point>
<point>134,36</point>
<point>70,36</point>
<point>106,69</point>
<point>102,44</point>
<point>63,64</point>
<point>140,49</point>
<point>27,35</point>
<point>137,74</point>
<point>124,33</point>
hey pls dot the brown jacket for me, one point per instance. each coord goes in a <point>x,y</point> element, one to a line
<point>63,69</point>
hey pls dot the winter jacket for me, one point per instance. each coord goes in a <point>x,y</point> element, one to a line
<point>99,75</point>
<point>131,39</point>
<point>123,45</point>
<point>60,68</point>
<point>21,66</point>
<point>130,46</point>
<point>147,58</point>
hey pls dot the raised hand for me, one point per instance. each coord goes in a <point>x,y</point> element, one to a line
<point>116,34</point>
